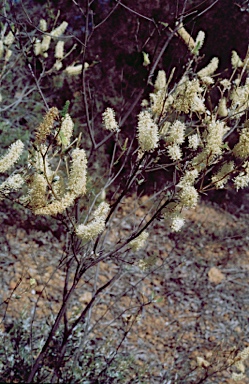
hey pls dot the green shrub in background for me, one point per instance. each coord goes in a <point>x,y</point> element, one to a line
<point>16,353</point>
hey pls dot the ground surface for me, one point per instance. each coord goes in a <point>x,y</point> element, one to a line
<point>198,280</point>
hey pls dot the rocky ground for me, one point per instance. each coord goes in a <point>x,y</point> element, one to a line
<point>186,299</point>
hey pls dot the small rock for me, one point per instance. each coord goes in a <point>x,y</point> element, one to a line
<point>215,275</point>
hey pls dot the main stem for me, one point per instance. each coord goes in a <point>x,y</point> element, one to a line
<point>51,334</point>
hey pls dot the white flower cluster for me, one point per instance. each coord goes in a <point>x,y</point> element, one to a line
<point>186,37</point>
<point>46,180</point>
<point>188,179</point>
<point>59,50</point>
<point>91,230</point>
<point>207,80</point>
<point>193,141</point>
<point>72,70</point>
<point>77,175</point>
<point>201,362</point>
<point>194,46</point>
<point>226,84</point>
<point>45,127</point>
<point>188,96</point>
<point>240,99</point>
<point>9,39</point>
<point>243,355</point>
<point>8,55</point>
<point>66,131</point>
<point>41,47</point>
<point>102,210</point>
<point>239,364</point>
<point>160,101</point>
<point>173,217</point>
<point>160,83</point>
<point>177,223</point>
<point>109,120</point>
<point>174,152</point>
<point>139,242</point>
<point>214,140</point>
<point>236,60</point>
<point>238,376</point>
<point>12,156</point>
<point>241,149</point>
<point>59,30</point>
<point>175,137</point>
<point>242,180</point>
<point>188,196</point>
<point>147,132</point>
<point>210,68</point>
<point>43,25</point>
<point>12,183</point>
<point>56,206</point>
<point>199,41</point>
<point>45,44</point>
<point>222,176</point>
<point>222,107</point>
<point>37,192</point>
<point>176,133</point>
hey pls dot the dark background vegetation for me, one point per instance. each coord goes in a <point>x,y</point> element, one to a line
<point>114,50</point>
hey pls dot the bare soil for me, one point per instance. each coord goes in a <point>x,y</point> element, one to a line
<point>197,284</point>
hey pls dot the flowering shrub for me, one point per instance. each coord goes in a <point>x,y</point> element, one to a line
<point>176,131</point>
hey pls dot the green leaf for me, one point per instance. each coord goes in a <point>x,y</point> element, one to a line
<point>196,48</point>
<point>159,300</point>
<point>65,109</point>
<point>146,61</point>
<point>164,24</point>
<point>226,146</point>
<point>63,139</point>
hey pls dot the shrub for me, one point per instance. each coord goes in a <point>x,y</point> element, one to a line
<point>198,146</point>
